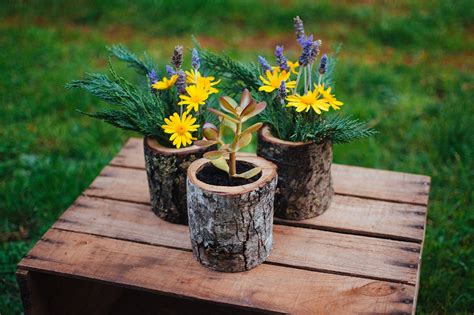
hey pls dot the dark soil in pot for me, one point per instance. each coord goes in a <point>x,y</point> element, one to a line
<point>211,175</point>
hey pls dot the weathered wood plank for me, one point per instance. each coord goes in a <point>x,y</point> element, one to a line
<point>174,272</point>
<point>348,180</point>
<point>302,248</point>
<point>381,184</point>
<point>347,214</point>
<point>377,218</point>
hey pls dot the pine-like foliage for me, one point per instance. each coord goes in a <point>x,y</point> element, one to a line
<point>286,123</point>
<point>134,109</point>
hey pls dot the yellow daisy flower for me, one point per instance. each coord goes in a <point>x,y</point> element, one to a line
<point>307,101</point>
<point>197,95</point>
<point>180,129</point>
<point>293,66</point>
<point>165,84</point>
<point>330,99</point>
<point>195,77</point>
<point>273,80</point>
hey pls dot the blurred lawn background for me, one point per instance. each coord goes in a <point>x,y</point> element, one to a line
<point>405,66</point>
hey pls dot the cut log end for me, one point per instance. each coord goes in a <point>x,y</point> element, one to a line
<point>231,227</point>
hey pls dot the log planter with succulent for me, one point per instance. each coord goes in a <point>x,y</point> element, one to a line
<point>230,197</point>
<point>300,128</point>
<point>166,110</point>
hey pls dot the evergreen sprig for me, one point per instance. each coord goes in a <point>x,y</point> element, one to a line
<point>286,123</point>
<point>136,109</point>
<point>141,66</point>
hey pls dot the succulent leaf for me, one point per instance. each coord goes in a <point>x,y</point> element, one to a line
<point>228,104</point>
<point>249,109</point>
<point>252,128</point>
<point>214,155</point>
<point>250,173</point>
<point>243,141</point>
<point>245,99</point>
<point>210,132</point>
<point>205,143</point>
<point>221,114</point>
<point>221,164</point>
<point>259,108</point>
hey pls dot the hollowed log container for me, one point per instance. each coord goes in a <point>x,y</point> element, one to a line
<point>166,171</point>
<point>231,227</point>
<point>304,175</point>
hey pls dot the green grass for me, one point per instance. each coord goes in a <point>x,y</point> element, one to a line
<point>406,67</point>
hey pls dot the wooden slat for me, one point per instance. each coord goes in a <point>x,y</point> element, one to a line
<point>175,272</point>
<point>347,214</point>
<point>302,248</point>
<point>348,180</point>
<point>380,184</point>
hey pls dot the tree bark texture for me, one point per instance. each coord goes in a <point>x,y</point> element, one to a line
<point>304,170</point>
<point>166,171</point>
<point>231,227</point>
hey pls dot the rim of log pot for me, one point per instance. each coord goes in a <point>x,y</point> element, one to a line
<point>156,146</point>
<point>266,134</point>
<point>268,173</point>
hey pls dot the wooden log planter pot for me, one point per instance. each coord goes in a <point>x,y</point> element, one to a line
<point>166,171</point>
<point>231,226</point>
<point>304,175</point>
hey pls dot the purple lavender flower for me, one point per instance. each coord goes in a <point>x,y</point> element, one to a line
<point>281,60</point>
<point>263,62</point>
<point>152,76</point>
<point>305,40</point>
<point>170,70</point>
<point>306,54</point>
<point>177,59</point>
<point>323,64</point>
<point>181,82</point>
<point>310,50</point>
<point>314,51</point>
<point>282,91</point>
<point>299,28</point>
<point>195,62</point>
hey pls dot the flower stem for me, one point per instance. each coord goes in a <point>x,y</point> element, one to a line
<point>297,80</point>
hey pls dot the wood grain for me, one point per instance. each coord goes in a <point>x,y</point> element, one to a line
<point>174,272</point>
<point>348,180</point>
<point>302,248</point>
<point>346,214</point>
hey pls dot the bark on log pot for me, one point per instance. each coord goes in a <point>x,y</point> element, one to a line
<point>304,170</point>
<point>166,169</point>
<point>231,227</point>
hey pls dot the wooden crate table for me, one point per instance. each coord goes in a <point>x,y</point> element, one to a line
<point>109,254</point>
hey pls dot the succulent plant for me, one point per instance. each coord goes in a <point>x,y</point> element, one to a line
<point>234,117</point>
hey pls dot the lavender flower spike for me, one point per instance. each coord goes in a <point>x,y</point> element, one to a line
<point>314,51</point>
<point>152,76</point>
<point>323,64</point>
<point>195,61</point>
<point>282,91</point>
<point>299,28</point>
<point>263,62</point>
<point>170,70</point>
<point>177,59</point>
<point>281,60</point>
<point>306,54</point>
<point>181,82</point>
